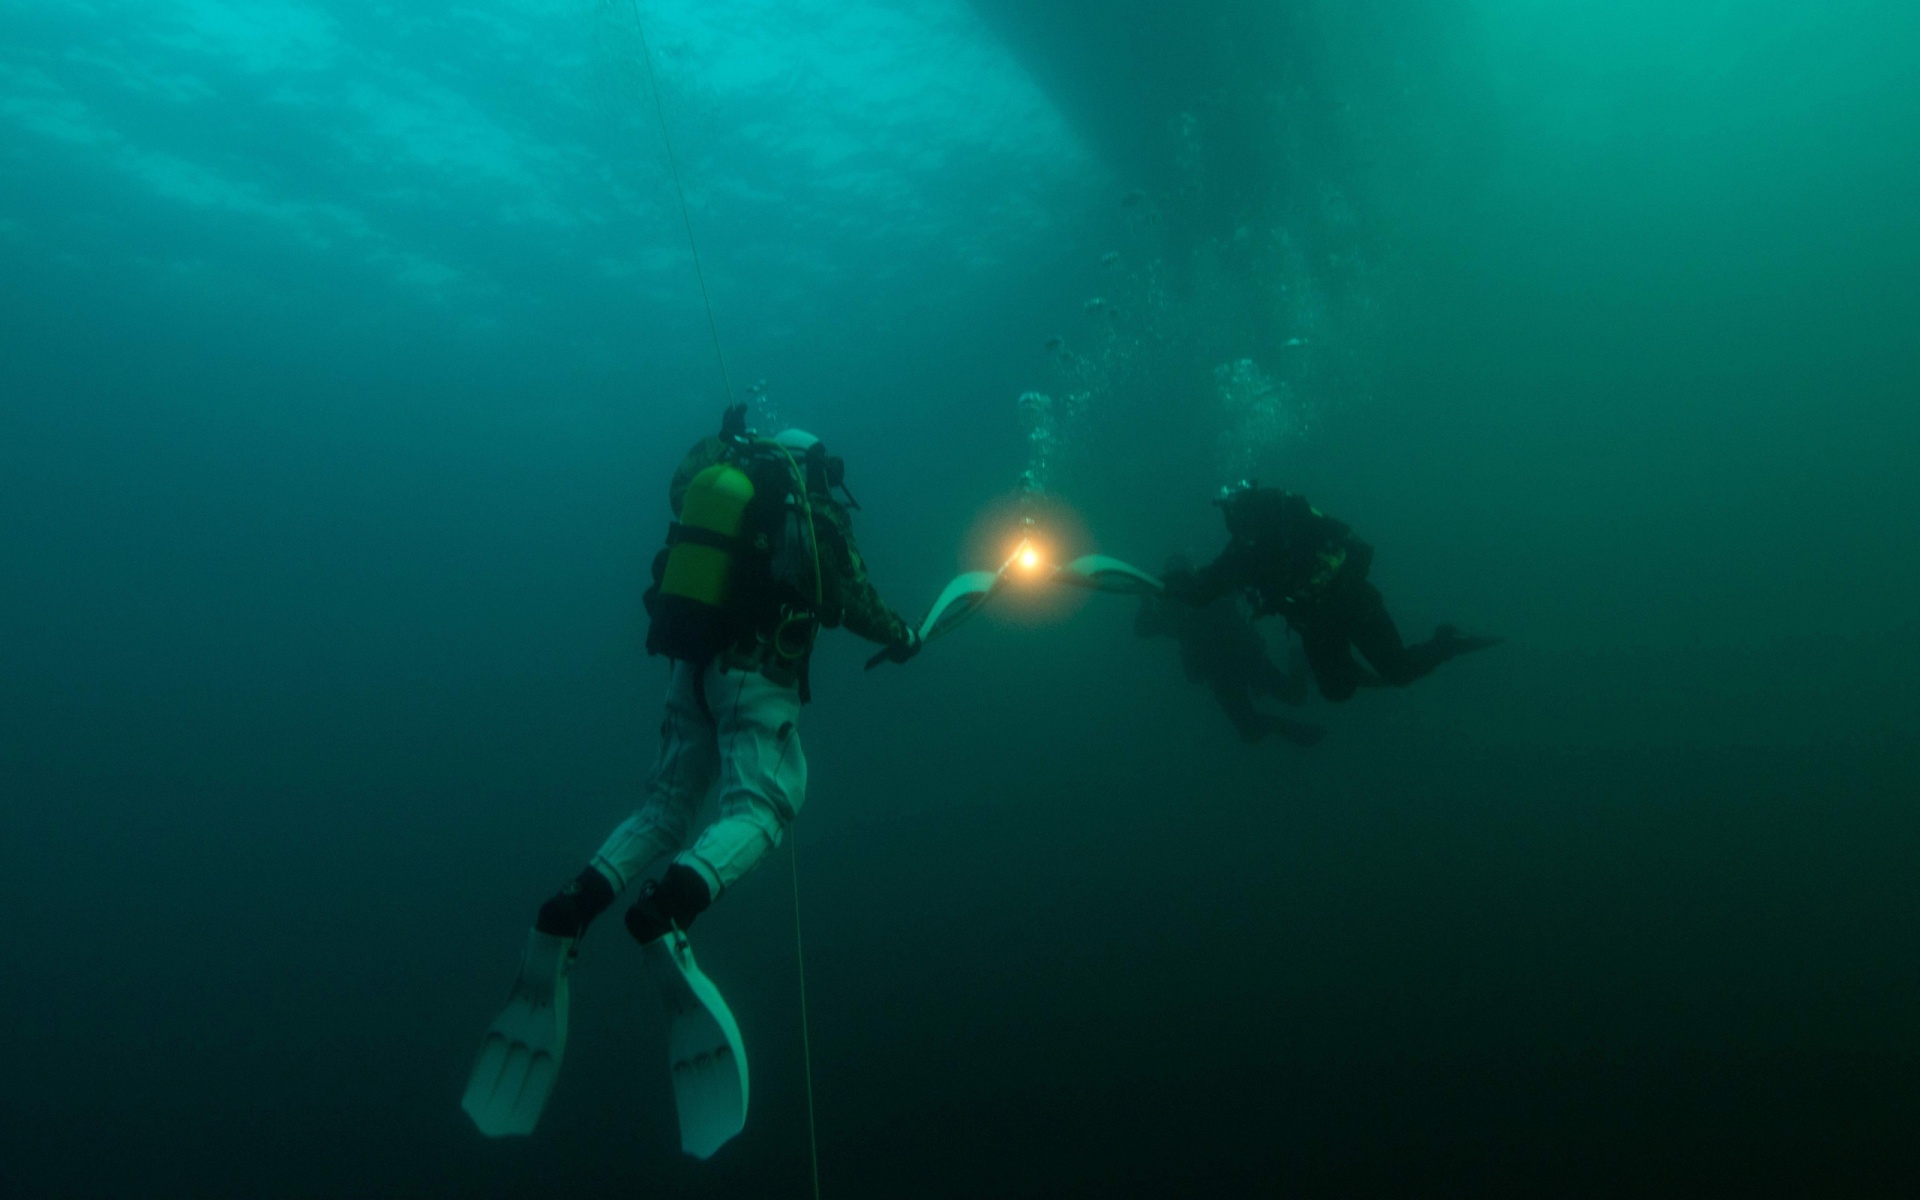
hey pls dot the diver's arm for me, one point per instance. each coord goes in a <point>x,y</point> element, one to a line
<point>1224,574</point>
<point>851,599</point>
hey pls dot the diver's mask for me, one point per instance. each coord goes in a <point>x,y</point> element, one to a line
<point>828,472</point>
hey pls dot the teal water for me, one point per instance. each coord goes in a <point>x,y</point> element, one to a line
<point>345,349</point>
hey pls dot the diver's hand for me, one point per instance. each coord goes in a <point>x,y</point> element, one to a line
<point>898,652</point>
<point>1180,585</point>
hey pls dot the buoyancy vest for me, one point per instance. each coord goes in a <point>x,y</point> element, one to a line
<point>1296,554</point>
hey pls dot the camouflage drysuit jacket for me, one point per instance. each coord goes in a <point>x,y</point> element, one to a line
<point>848,598</point>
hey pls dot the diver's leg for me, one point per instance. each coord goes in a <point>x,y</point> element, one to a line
<point>1374,633</point>
<point>763,782</point>
<point>688,762</point>
<point>1326,644</point>
<point>763,777</point>
<point>1253,724</point>
<point>681,777</point>
<point>1376,636</point>
<point>520,1057</point>
<point>1231,695</point>
<point>1289,685</point>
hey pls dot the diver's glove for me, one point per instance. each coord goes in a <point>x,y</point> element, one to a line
<point>898,652</point>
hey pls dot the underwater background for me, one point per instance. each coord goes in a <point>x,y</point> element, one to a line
<point>346,347</point>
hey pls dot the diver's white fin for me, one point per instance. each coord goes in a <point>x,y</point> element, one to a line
<point>1102,574</point>
<point>958,601</point>
<point>520,1056</point>
<point>703,1049</point>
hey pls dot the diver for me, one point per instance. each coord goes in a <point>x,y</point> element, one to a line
<point>759,558</point>
<point>1292,560</point>
<point>1220,647</point>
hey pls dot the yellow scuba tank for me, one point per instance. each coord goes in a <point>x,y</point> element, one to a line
<point>741,562</point>
<point>696,605</point>
<point>701,558</point>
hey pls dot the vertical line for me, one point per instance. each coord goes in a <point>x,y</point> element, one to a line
<point>713,326</point>
<point>806,1036</point>
<point>673,163</point>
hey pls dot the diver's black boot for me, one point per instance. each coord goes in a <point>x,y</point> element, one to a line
<point>671,902</point>
<point>574,907</point>
<point>1452,643</point>
<point>1298,733</point>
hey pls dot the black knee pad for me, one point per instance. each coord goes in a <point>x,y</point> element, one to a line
<point>573,908</point>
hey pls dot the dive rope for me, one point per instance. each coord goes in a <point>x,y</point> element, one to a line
<point>720,356</point>
<point>806,1035</point>
<point>673,164</point>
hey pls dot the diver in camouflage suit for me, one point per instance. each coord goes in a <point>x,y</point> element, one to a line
<point>732,712</point>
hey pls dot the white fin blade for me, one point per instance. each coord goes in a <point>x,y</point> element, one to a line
<point>704,1050</point>
<point>959,601</point>
<point>519,1059</point>
<point>1099,573</point>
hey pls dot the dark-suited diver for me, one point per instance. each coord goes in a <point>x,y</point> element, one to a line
<point>1220,647</point>
<point>760,556</point>
<point>1293,561</point>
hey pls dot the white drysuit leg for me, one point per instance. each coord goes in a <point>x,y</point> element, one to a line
<point>763,775</point>
<point>688,765</point>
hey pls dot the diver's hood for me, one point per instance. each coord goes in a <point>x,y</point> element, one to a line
<point>796,441</point>
<point>825,472</point>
